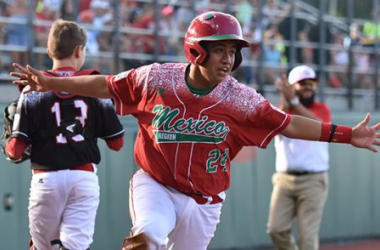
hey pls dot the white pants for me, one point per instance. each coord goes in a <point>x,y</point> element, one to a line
<point>170,219</point>
<point>63,205</point>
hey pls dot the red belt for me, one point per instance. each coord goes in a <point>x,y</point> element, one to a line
<point>86,167</point>
<point>206,200</point>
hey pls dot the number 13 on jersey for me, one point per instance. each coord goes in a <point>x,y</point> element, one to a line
<point>56,109</point>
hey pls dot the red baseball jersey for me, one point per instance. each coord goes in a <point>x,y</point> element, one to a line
<point>186,141</point>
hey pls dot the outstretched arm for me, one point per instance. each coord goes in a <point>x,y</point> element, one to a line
<point>303,128</point>
<point>361,136</point>
<point>92,85</point>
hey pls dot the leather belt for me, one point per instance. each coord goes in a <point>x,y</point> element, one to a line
<point>300,173</point>
<point>206,200</point>
<point>86,167</point>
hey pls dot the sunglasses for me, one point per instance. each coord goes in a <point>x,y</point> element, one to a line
<point>308,82</point>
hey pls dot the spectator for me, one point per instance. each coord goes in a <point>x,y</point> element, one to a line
<point>129,9</point>
<point>103,16</point>
<point>285,29</point>
<point>84,5</point>
<point>371,27</point>
<point>184,14</point>
<point>244,13</point>
<point>169,30</point>
<point>339,62</point>
<point>54,5</point>
<point>362,59</point>
<point>69,10</point>
<point>17,32</point>
<point>146,43</point>
<point>273,53</point>
<point>98,16</point>
<point>3,7</point>
<point>306,50</point>
<point>273,13</point>
<point>86,17</point>
<point>44,15</point>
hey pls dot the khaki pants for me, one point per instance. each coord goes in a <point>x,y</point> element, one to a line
<point>302,197</point>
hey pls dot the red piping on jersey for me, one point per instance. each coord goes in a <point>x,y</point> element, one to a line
<point>176,153</point>
<point>111,79</point>
<point>192,146</point>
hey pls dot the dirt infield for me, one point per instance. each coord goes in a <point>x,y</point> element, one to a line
<point>362,245</point>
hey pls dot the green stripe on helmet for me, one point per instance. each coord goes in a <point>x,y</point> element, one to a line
<point>217,37</point>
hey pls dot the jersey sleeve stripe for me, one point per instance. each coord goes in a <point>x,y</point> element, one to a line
<point>113,135</point>
<point>267,139</point>
<point>115,95</point>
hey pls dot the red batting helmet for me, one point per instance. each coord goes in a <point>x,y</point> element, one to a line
<point>213,26</point>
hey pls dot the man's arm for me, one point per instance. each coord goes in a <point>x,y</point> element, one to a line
<point>288,93</point>
<point>361,136</point>
<point>91,85</point>
<point>298,109</point>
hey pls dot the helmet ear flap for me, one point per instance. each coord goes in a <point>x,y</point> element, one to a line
<point>199,53</point>
<point>238,59</point>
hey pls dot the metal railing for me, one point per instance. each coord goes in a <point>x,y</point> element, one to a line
<point>306,12</point>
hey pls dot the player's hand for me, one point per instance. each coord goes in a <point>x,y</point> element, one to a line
<point>364,136</point>
<point>31,78</point>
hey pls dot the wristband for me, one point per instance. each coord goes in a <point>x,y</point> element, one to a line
<point>294,101</point>
<point>325,131</point>
<point>332,132</point>
<point>335,133</point>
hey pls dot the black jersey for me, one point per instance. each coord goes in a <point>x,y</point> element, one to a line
<point>63,129</point>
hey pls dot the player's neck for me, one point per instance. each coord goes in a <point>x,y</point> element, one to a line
<point>196,80</point>
<point>65,63</point>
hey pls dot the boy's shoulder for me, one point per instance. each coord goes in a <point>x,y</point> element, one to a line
<point>160,71</point>
<point>164,67</point>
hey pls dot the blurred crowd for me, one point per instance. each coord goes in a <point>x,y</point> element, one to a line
<point>266,24</point>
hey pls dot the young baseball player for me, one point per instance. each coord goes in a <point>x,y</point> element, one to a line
<point>62,129</point>
<point>193,120</point>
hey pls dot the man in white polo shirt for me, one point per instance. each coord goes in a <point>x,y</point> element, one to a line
<point>300,183</point>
